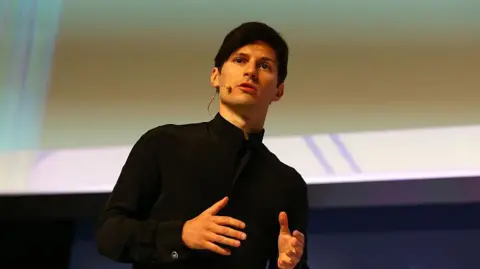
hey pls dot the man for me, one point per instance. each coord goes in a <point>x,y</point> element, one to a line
<point>211,195</point>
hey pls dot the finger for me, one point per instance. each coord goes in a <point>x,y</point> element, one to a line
<point>283,220</point>
<point>296,249</point>
<point>291,253</point>
<point>295,252</point>
<point>227,231</point>
<point>294,261</point>
<point>216,238</point>
<point>228,221</point>
<point>296,243</point>
<point>289,261</point>
<point>284,262</point>
<point>215,248</point>
<point>299,236</point>
<point>215,208</point>
<point>298,252</point>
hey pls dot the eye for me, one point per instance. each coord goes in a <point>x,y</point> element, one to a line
<point>238,60</point>
<point>265,65</point>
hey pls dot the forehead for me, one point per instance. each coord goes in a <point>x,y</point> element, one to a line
<point>258,50</point>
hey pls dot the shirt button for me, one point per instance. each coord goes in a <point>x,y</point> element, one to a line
<point>174,255</point>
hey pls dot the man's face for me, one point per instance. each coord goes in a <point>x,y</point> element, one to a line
<point>251,73</point>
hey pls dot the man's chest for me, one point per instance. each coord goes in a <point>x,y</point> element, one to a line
<point>194,178</point>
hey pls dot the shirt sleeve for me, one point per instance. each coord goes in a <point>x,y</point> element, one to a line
<point>124,232</point>
<point>297,212</point>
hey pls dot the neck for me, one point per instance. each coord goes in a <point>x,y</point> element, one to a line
<point>248,123</point>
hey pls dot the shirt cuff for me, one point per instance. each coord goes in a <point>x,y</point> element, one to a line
<point>170,246</point>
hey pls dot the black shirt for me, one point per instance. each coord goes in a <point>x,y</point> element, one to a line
<point>174,172</point>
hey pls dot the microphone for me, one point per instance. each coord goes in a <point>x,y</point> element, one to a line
<point>217,91</point>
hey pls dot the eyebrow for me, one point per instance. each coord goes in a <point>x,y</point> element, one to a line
<point>263,58</point>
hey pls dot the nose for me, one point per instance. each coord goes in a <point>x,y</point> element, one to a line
<point>251,71</point>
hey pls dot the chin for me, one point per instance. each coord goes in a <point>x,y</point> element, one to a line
<point>243,103</point>
<point>240,100</point>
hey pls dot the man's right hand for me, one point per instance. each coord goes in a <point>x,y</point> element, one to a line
<point>208,229</point>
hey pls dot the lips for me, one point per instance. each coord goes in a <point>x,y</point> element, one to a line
<point>249,87</point>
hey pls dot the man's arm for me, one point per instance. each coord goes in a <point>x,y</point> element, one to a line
<point>125,233</point>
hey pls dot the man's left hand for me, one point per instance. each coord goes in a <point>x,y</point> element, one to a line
<point>290,245</point>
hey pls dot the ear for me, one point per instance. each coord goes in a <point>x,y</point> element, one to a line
<point>279,94</point>
<point>215,78</point>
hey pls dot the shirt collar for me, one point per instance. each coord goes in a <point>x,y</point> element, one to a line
<point>235,136</point>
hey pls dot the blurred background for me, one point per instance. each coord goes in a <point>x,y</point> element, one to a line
<point>381,116</point>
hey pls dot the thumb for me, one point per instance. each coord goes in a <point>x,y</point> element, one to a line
<point>283,220</point>
<point>214,209</point>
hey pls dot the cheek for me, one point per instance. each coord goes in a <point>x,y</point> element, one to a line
<point>269,79</point>
<point>230,71</point>
<point>269,93</point>
<point>271,86</point>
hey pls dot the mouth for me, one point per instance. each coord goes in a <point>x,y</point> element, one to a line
<point>248,87</point>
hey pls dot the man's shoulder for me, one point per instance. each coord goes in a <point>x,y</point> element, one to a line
<point>169,134</point>
<point>287,171</point>
<point>172,129</point>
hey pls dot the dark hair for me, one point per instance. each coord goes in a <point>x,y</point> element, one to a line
<point>249,33</point>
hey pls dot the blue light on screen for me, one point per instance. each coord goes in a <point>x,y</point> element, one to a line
<point>27,32</point>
